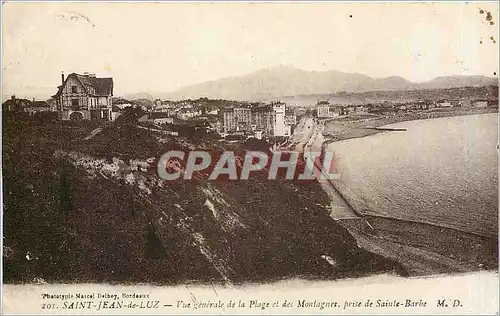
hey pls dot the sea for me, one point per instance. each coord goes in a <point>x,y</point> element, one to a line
<point>441,171</point>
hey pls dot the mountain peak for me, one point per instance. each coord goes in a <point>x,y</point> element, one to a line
<point>287,80</point>
<point>281,68</point>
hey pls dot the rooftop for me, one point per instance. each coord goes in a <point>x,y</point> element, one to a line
<point>102,86</point>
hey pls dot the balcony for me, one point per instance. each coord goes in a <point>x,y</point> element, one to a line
<point>78,108</point>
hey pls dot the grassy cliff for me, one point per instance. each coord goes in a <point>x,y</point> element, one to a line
<point>92,209</point>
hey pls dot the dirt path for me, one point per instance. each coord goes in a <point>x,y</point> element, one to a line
<point>93,133</point>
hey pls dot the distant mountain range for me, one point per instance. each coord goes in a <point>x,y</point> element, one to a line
<point>286,81</point>
<point>283,81</point>
<point>489,92</point>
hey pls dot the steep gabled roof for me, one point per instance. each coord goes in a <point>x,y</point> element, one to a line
<point>102,86</point>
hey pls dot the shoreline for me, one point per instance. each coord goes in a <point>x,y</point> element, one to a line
<point>406,242</point>
<point>362,126</point>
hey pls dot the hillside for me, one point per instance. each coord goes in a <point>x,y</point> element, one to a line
<point>471,93</point>
<point>92,209</point>
<point>289,81</point>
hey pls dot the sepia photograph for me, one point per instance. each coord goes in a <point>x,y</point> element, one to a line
<point>250,157</point>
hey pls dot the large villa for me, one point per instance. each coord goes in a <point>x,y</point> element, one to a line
<point>84,97</point>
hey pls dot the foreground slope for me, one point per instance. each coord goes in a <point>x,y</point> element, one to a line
<point>92,209</point>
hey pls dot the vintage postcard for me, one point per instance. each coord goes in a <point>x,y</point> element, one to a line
<point>166,158</point>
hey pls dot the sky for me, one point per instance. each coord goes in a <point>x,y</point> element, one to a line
<point>165,46</point>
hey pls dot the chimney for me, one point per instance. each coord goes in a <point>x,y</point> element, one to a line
<point>62,77</point>
<point>33,99</point>
<point>12,97</point>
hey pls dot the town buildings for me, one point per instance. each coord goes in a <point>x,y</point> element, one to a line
<point>160,118</point>
<point>361,110</point>
<point>272,120</point>
<point>444,104</point>
<point>290,118</point>
<point>26,106</point>
<point>237,119</point>
<point>480,103</point>
<point>37,106</point>
<point>323,111</point>
<point>212,112</point>
<point>84,97</point>
<point>280,128</point>
<point>15,105</point>
<point>187,113</point>
<point>263,119</point>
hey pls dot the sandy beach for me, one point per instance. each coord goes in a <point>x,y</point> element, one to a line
<point>357,126</point>
<point>404,241</point>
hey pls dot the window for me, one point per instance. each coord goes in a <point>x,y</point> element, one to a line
<point>74,102</point>
<point>74,89</point>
